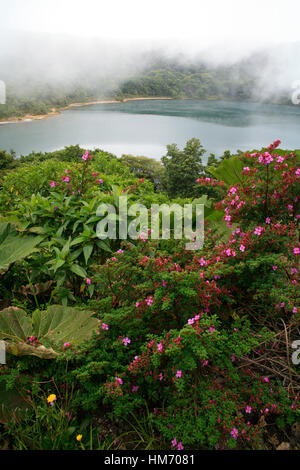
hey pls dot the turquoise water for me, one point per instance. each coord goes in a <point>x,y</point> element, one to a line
<point>146,127</point>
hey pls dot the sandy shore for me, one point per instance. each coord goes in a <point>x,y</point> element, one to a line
<point>57,111</point>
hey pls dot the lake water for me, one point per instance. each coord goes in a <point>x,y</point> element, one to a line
<point>146,127</point>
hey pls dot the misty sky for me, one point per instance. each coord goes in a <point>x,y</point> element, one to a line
<point>61,40</point>
<point>193,24</point>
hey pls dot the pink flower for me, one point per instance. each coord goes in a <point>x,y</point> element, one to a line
<point>135,388</point>
<point>248,409</point>
<point>104,326</point>
<point>275,144</point>
<point>274,267</point>
<point>160,347</point>
<point>296,251</point>
<point>85,156</point>
<point>265,158</point>
<point>67,345</point>
<point>52,184</point>
<point>178,374</point>
<point>258,230</point>
<point>143,236</point>
<point>149,301</point>
<point>242,247</point>
<point>174,442</point>
<point>126,341</point>
<point>234,432</point>
<point>295,310</point>
<point>180,446</point>
<point>88,281</point>
<point>266,379</point>
<point>119,381</point>
<point>246,169</point>
<point>100,181</point>
<point>120,251</point>
<point>268,220</point>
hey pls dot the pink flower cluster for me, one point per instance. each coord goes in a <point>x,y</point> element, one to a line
<point>178,445</point>
<point>265,158</point>
<point>258,230</point>
<point>149,301</point>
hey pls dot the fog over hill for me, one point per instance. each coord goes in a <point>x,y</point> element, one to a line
<point>98,67</point>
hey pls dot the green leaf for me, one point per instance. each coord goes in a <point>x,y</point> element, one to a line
<point>76,269</point>
<point>77,240</point>
<point>15,323</point>
<point>87,251</point>
<point>229,171</point>
<point>52,327</point>
<point>66,248</point>
<point>59,263</point>
<point>103,246</point>
<point>14,247</point>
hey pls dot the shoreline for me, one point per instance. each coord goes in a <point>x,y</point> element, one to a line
<point>57,111</point>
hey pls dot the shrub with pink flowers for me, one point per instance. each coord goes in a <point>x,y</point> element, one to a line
<point>200,339</point>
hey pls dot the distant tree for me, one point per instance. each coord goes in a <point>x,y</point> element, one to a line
<point>226,155</point>
<point>67,154</point>
<point>7,160</point>
<point>212,160</point>
<point>144,167</point>
<point>183,167</point>
<point>70,153</point>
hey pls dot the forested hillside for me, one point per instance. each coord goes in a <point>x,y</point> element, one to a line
<point>163,77</point>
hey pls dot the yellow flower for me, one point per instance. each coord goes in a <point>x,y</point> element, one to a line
<point>79,437</point>
<point>51,398</point>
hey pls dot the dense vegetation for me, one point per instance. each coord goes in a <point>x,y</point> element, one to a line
<point>121,344</point>
<point>40,99</point>
<point>176,80</point>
